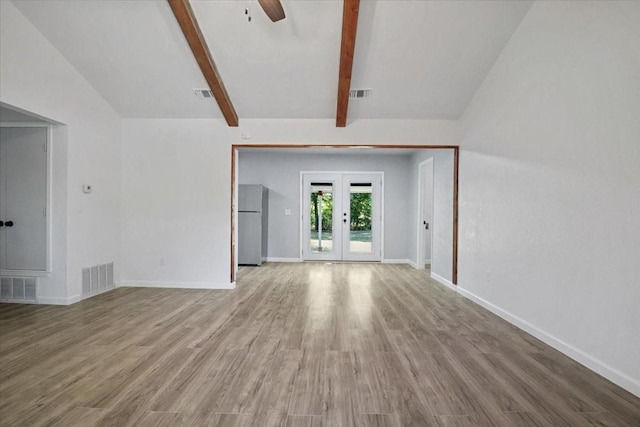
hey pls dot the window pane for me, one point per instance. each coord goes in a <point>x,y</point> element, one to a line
<point>321,217</point>
<point>360,216</point>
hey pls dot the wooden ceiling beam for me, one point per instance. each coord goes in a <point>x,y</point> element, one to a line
<point>189,25</point>
<point>350,11</point>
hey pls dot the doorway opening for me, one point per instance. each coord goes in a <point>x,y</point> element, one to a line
<point>25,193</point>
<point>342,216</point>
<point>279,168</point>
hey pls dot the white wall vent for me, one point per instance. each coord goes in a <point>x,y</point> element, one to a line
<point>203,93</point>
<point>97,279</point>
<point>18,289</point>
<point>360,93</point>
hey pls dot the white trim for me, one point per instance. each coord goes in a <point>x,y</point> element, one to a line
<point>277,259</point>
<point>25,273</point>
<point>104,291</point>
<point>623,380</point>
<point>48,202</point>
<point>438,278</point>
<point>38,119</point>
<point>74,299</point>
<point>397,261</point>
<point>176,285</point>
<point>24,125</point>
<point>17,301</point>
<point>59,300</point>
<point>234,208</point>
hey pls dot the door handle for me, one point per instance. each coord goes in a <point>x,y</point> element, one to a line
<point>1,223</point>
<point>8,224</point>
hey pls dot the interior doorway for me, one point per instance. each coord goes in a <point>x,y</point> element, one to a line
<point>23,197</point>
<point>342,216</point>
<point>447,156</point>
<point>425,214</point>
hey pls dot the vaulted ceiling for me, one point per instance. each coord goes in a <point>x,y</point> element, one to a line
<point>423,59</point>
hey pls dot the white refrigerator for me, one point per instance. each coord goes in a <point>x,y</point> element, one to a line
<point>252,224</point>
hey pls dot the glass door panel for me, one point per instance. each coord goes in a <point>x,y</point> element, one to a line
<point>321,230</point>
<point>321,217</point>
<point>362,220</point>
<point>360,239</point>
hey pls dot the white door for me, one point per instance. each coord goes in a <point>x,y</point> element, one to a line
<point>322,232</point>
<point>341,218</point>
<point>361,217</point>
<point>23,198</point>
<point>425,213</point>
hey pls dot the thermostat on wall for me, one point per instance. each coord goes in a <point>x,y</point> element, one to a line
<point>86,188</point>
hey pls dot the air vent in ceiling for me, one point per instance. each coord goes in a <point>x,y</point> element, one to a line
<point>360,93</point>
<point>203,93</point>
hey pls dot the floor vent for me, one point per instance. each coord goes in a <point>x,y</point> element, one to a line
<point>97,279</point>
<point>18,289</point>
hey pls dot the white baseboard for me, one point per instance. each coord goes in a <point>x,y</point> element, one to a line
<point>115,285</point>
<point>17,301</point>
<point>443,281</point>
<point>59,300</point>
<point>397,261</point>
<point>630,384</point>
<point>277,259</point>
<point>176,285</point>
<point>623,380</point>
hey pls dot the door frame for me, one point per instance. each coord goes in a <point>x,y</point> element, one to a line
<point>420,256</point>
<point>48,202</point>
<point>234,183</point>
<point>302,206</point>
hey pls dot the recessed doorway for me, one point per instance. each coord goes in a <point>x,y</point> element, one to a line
<point>279,167</point>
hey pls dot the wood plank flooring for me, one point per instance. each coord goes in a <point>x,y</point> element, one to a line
<point>309,344</point>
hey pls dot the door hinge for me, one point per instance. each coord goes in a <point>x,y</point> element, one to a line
<point>45,147</point>
<point>44,212</point>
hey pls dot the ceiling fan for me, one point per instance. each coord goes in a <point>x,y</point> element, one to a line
<point>273,9</point>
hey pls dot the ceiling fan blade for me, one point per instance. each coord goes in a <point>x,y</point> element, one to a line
<point>273,9</point>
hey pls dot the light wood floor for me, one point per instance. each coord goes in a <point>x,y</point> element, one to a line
<point>293,345</point>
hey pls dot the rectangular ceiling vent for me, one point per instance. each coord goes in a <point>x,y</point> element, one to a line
<point>203,93</point>
<point>360,93</point>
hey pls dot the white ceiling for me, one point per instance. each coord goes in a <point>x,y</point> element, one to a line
<point>424,59</point>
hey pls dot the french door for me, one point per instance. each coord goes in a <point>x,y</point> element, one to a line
<point>342,216</point>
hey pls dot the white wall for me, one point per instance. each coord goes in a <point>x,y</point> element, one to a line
<point>173,168</point>
<point>442,226</point>
<point>35,77</point>
<point>550,184</point>
<point>176,203</point>
<point>280,173</point>
<point>358,132</point>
